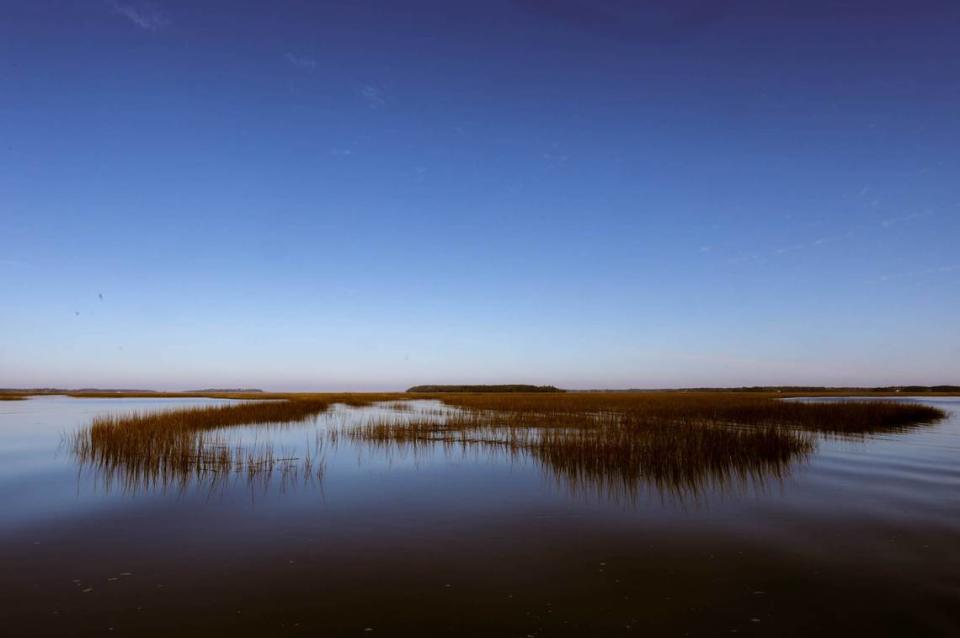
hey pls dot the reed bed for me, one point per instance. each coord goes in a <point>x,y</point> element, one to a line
<point>744,409</point>
<point>178,446</point>
<point>675,442</point>
<point>218,463</point>
<point>678,458</point>
<point>609,452</point>
<point>348,398</point>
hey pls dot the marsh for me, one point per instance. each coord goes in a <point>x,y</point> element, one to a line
<point>473,532</point>
<point>525,318</point>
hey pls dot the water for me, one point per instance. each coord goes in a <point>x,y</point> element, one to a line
<point>860,537</point>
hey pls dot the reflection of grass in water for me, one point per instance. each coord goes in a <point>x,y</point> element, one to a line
<point>679,458</point>
<point>179,447</point>
<point>217,463</point>
<point>176,448</point>
<point>743,408</point>
<point>614,442</point>
<point>679,443</point>
<point>613,454</point>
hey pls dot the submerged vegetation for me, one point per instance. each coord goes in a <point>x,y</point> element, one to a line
<point>614,442</point>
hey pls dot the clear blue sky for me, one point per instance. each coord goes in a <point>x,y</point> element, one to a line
<point>366,195</point>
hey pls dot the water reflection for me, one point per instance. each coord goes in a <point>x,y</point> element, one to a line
<point>480,535</point>
<point>164,457</point>
<point>218,460</point>
<point>615,457</point>
<point>625,473</point>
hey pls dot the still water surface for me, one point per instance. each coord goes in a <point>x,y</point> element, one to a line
<point>861,537</point>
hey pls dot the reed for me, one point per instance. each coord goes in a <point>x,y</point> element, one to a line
<point>612,453</point>
<point>348,398</point>
<point>179,445</point>
<point>615,442</point>
<point>743,408</point>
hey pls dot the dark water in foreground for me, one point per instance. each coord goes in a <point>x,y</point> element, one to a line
<point>860,538</point>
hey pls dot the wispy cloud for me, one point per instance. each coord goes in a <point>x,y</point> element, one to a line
<point>939,270</point>
<point>373,96</point>
<point>829,239</point>
<point>143,13</point>
<point>744,258</point>
<point>790,249</point>
<point>14,263</point>
<point>301,61</point>
<point>784,250</point>
<point>631,21</point>
<point>893,221</point>
<point>555,154</point>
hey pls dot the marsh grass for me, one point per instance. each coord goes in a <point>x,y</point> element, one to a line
<point>742,408</point>
<point>217,464</point>
<point>610,453</point>
<point>678,458</point>
<point>677,442</point>
<point>177,447</point>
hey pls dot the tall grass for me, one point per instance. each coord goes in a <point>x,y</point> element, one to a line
<point>675,442</point>
<point>174,447</point>
<point>615,442</point>
<point>744,408</point>
<point>603,451</point>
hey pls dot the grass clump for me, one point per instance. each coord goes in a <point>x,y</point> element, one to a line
<point>735,408</point>
<point>676,442</point>
<point>610,452</point>
<point>617,441</point>
<point>180,445</point>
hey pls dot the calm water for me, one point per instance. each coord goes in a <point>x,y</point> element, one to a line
<point>861,537</point>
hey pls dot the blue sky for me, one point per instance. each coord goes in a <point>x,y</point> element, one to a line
<point>331,195</point>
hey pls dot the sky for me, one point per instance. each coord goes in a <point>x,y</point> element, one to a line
<point>370,195</point>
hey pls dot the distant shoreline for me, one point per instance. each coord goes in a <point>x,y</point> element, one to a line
<point>517,387</point>
<point>257,393</point>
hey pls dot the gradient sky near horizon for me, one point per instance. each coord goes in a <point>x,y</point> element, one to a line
<point>330,195</point>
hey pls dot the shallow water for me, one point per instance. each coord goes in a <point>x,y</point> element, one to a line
<point>862,536</point>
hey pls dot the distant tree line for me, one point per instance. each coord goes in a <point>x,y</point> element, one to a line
<point>74,390</point>
<point>124,391</point>
<point>801,388</point>
<point>227,390</point>
<point>517,387</point>
<point>919,388</point>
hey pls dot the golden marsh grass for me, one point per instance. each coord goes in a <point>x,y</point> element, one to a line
<point>675,441</point>
<point>159,448</point>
